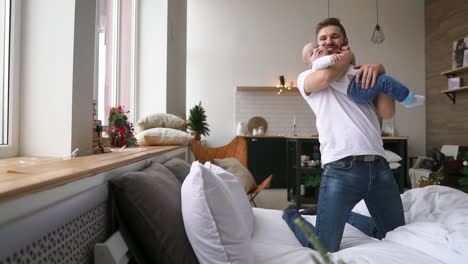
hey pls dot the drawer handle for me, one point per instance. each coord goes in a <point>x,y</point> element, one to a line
<point>255,139</point>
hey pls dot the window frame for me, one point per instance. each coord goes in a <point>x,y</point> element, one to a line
<point>12,147</point>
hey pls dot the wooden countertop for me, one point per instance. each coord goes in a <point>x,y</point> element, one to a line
<point>310,137</point>
<point>24,175</point>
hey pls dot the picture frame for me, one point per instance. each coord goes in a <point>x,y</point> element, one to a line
<point>460,53</point>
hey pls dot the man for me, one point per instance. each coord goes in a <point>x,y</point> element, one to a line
<point>351,148</point>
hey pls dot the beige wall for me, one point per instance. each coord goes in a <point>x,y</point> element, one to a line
<point>447,123</point>
<point>251,43</point>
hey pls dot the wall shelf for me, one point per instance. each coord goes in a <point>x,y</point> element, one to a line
<point>265,89</point>
<point>455,71</point>
<point>452,93</point>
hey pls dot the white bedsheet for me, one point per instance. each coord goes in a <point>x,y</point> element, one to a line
<point>436,232</point>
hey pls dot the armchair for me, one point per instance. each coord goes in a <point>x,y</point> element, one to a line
<point>237,148</point>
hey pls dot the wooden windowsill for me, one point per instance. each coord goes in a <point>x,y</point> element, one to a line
<point>24,175</point>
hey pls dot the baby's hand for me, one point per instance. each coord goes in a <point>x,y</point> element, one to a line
<point>336,58</point>
<point>345,47</point>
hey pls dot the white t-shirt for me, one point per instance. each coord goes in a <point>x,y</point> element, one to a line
<point>342,83</point>
<point>345,127</point>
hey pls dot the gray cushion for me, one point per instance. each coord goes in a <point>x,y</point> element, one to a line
<point>180,168</point>
<point>149,207</point>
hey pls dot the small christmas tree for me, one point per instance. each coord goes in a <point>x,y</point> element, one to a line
<point>120,130</point>
<point>197,122</point>
<point>463,181</point>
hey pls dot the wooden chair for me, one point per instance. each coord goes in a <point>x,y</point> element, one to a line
<point>237,148</point>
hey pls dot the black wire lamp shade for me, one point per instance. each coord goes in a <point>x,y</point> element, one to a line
<point>378,35</point>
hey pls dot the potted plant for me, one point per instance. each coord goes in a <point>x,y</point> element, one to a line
<point>311,184</point>
<point>197,122</point>
<point>463,181</point>
<point>120,129</point>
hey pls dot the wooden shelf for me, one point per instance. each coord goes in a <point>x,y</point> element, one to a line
<point>265,89</point>
<point>25,175</point>
<point>452,93</point>
<point>452,72</point>
<point>464,88</point>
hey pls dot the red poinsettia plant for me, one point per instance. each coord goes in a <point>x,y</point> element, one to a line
<point>120,129</point>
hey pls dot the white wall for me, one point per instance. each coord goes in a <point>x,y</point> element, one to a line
<point>152,57</point>
<point>83,76</point>
<point>47,77</point>
<point>161,57</point>
<point>251,43</point>
<point>176,57</point>
<point>57,77</point>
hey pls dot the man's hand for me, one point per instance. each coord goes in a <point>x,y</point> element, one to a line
<point>368,74</point>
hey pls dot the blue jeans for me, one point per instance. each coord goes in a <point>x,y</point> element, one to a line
<point>384,84</point>
<point>344,183</point>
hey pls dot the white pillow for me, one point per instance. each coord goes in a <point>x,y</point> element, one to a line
<point>160,120</point>
<point>213,225</point>
<point>394,165</point>
<point>391,156</point>
<point>239,198</point>
<point>163,136</point>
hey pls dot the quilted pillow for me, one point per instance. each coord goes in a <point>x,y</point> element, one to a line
<point>213,225</point>
<point>234,166</point>
<point>163,136</point>
<point>160,120</point>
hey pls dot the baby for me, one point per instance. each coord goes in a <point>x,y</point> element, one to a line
<point>317,58</point>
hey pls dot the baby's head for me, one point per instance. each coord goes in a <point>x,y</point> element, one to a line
<point>311,52</point>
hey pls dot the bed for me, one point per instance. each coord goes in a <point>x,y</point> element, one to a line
<point>436,232</point>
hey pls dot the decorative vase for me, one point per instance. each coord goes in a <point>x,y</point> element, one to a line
<point>197,136</point>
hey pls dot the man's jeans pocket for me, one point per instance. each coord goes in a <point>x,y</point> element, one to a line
<point>342,164</point>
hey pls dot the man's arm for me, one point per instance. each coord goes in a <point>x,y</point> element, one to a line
<point>385,106</point>
<point>319,80</point>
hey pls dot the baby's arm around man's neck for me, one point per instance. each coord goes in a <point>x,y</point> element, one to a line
<point>320,79</point>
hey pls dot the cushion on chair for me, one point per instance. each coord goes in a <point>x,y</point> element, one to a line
<point>149,207</point>
<point>160,120</point>
<point>163,136</point>
<point>213,225</point>
<point>180,168</point>
<point>233,166</point>
<point>239,197</point>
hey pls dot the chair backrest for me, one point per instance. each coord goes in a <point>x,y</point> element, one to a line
<point>237,148</point>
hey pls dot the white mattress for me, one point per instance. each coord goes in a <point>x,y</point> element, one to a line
<point>436,232</point>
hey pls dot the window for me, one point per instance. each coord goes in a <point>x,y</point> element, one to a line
<point>9,56</point>
<point>116,63</point>
<point>4,69</point>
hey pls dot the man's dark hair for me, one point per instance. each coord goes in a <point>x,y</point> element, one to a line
<point>331,21</point>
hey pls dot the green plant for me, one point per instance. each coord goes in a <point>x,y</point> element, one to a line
<point>197,121</point>
<point>312,180</point>
<point>313,239</point>
<point>463,181</point>
<point>120,130</point>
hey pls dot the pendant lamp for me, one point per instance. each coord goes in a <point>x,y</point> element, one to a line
<point>378,35</point>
